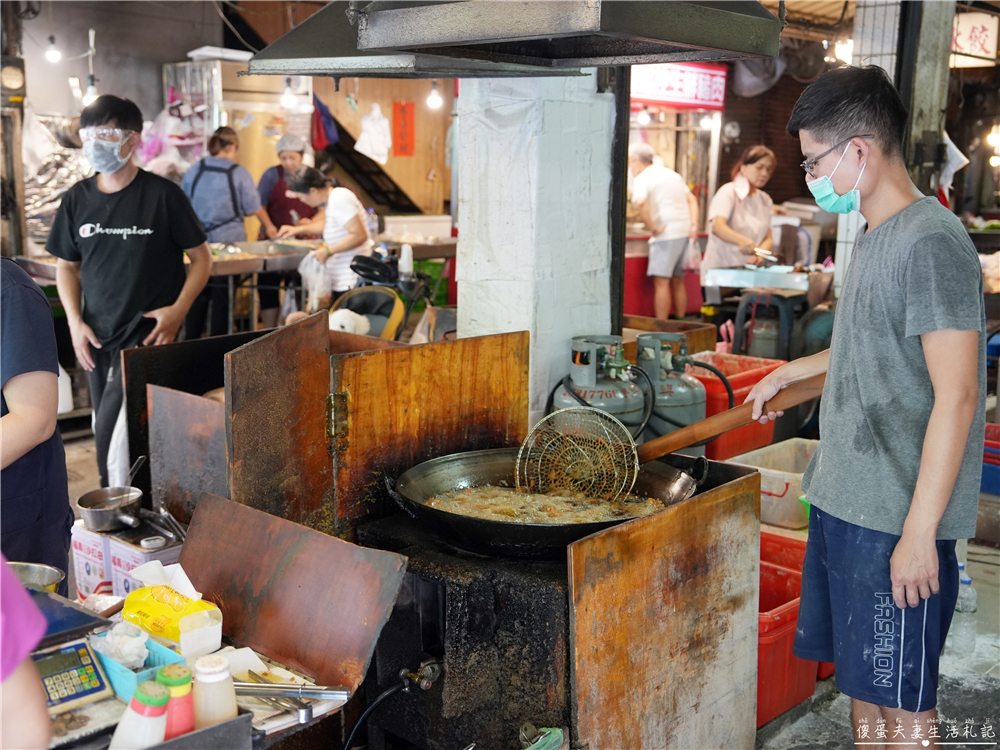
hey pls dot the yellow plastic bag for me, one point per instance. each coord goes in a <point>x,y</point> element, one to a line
<point>159,610</point>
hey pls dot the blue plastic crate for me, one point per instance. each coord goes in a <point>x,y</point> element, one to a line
<point>991,479</point>
<point>124,680</point>
<point>993,346</point>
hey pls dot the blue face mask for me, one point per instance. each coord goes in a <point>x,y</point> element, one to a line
<point>827,198</point>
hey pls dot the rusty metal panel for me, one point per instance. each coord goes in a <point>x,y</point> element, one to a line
<point>396,408</point>
<point>663,622</point>
<point>301,597</point>
<point>189,366</point>
<point>276,423</point>
<point>187,449</point>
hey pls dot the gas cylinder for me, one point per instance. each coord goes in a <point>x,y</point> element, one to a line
<point>679,397</point>
<point>598,375</point>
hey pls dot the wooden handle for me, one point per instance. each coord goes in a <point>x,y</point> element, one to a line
<point>706,429</point>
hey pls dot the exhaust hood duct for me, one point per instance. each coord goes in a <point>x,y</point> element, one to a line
<point>326,44</point>
<point>515,38</point>
<point>571,33</point>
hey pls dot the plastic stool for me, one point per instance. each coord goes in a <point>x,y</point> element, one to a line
<point>786,318</point>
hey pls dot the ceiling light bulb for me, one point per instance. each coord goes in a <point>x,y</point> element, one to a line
<point>91,95</point>
<point>288,99</point>
<point>845,50</point>
<point>995,161</point>
<point>434,100</point>
<point>643,117</point>
<point>707,122</point>
<point>52,54</point>
<point>993,138</point>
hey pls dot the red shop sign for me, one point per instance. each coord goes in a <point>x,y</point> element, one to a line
<point>403,137</point>
<point>693,85</point>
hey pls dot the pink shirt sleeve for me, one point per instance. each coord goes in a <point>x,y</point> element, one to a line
<point>22,625</point>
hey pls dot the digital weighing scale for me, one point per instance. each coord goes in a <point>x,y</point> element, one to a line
<point>72,676</point>
<point>70,671</point>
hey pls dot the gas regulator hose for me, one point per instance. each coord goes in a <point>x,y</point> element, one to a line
<point>567,383</point>
<point>399,686</point>
<point>650,402</point>
<point>720,376</point>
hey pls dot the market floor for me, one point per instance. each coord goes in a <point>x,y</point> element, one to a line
<point>969,686</point>
<point>968,691</point>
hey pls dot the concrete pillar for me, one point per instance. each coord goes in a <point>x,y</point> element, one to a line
<point>877,42</point>
<point>876,30</point>
<point>534,166</point>
<point>930,90</point>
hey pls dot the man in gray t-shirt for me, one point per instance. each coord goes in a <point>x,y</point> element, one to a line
<point>915,273</point>
<point>896,479</point>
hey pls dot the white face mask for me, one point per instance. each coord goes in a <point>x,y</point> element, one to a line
<point>105,156</point>
<point>741,185</point>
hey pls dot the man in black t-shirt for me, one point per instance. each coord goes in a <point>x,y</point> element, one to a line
<point>120,237</point>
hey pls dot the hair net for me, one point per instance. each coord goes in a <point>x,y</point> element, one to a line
<point>290,142</point>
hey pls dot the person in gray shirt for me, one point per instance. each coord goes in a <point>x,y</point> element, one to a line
<point>896,478</point>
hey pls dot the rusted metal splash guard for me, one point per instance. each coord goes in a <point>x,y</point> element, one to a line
<point>305,599</point>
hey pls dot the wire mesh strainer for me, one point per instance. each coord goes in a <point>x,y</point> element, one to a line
<point>578,450</point>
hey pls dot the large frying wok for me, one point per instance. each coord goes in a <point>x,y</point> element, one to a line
<point>497,467</point>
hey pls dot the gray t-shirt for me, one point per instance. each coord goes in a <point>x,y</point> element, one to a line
<point>915,273</point>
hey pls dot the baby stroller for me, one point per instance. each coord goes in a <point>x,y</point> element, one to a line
<point>378,297</point>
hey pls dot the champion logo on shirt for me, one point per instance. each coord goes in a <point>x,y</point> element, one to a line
<point>89,230</point>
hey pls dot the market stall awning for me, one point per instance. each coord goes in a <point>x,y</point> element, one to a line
<point>504,38</point>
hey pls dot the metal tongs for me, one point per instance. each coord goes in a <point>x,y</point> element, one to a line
<point>304,711</point>
<point>284,690</point>
<point>767,255</point>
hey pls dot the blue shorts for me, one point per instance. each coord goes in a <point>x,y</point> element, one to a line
<point>883,655</point>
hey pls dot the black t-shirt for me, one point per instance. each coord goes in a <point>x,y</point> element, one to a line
<point>33,488</point>
<point>130,248</point>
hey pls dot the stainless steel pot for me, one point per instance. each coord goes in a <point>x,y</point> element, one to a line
<point>110,508</point>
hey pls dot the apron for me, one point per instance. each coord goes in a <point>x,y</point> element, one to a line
<point>280,207</point>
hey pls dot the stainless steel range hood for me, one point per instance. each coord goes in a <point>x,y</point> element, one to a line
<point>326,44</point>
<point>513,38</point>
<point>572,33</point>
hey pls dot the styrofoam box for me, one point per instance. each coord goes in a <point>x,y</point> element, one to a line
<point>781,467</point>
<point>423,226</point>
<point>125,557</point>
<point>91,561</point>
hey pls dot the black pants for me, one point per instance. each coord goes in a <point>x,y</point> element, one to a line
<point>216,295</point>
<point>107,394</point>
<point>269,299</point>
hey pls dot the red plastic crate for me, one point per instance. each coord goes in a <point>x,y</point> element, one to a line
<point>788,553</point>
<point>783,679</point>
<point>743,373</point>
<point>782,550</point>
<point>992,435</point>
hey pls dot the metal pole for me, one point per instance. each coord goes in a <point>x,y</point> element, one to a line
<point>620,80</point>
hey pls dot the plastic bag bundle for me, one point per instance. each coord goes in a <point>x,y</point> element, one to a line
<point>125,644</point>
<point>313,281</point>
<point>692,257</point>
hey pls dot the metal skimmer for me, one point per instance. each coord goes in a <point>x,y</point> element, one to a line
<point>580,450</point>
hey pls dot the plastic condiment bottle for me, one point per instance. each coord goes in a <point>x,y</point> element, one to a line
<point>144,723</point>
<point>180,709</point>
<point>213,691</point>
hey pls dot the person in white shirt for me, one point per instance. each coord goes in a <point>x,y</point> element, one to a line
<point>670,210</point>
<point>345,231</point>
